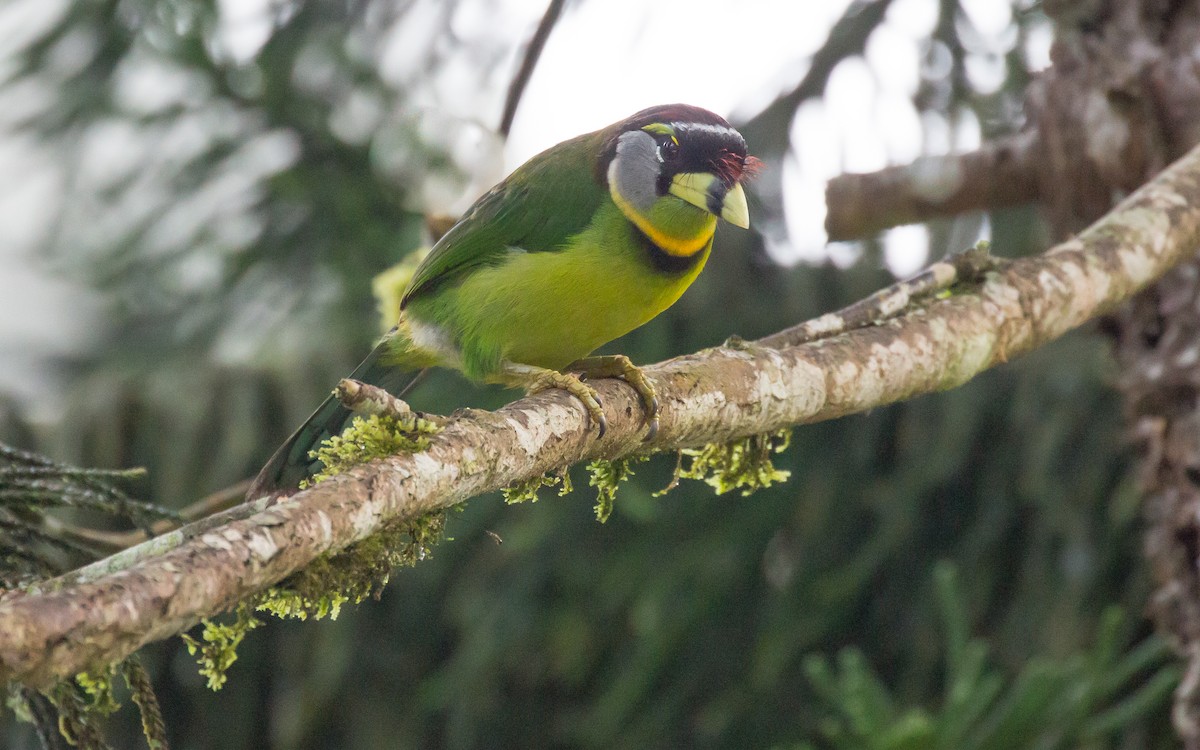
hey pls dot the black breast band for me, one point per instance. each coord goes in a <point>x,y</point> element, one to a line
<point>661,260</point>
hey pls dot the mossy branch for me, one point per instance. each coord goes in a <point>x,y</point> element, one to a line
<point>716,396</point>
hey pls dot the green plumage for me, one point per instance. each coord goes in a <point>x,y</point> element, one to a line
<point>537,208</point>
<point>550,308</point>
<point>546,267</point>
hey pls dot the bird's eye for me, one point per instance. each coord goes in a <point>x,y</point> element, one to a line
<point>668,150</point>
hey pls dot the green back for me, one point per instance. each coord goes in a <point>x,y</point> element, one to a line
<point>536,209</point>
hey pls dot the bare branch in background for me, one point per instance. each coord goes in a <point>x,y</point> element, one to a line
<point>770,130</point>
<point>1004,173</point>
<point>721,394</point>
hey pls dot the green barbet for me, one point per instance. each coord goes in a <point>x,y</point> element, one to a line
<point>581,244</point>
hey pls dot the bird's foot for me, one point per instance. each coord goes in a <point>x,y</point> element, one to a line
<point>620,366</point>
<point>545,380</point>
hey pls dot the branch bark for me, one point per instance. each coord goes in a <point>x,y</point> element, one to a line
<point>715,395</point>
<point>1004,173</point>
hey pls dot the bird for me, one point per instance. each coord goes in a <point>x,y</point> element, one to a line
<point>581,244</point>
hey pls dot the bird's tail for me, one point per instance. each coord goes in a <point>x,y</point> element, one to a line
<point>291,463</point>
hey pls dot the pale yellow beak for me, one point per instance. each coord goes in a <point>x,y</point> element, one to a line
<point>705,191</point>
<point>734,208</point>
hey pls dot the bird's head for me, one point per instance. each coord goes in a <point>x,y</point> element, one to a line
<point>674,167</point>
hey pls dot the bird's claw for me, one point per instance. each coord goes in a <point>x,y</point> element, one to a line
<point>640,383</point>
<point>651,429</point>
<point>620,366</point>
<point>575,386</point>
<point>614,366</point>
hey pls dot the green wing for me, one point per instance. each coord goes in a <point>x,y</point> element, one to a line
<point>535,209</point>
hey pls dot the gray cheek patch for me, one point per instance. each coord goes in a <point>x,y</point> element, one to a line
<point>634,170</point>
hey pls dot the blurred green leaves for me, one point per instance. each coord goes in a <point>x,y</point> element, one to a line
<point>1073,702</point>
<point>207,195</point>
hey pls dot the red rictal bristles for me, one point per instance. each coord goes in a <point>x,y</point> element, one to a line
<point>752,167</point>
<point>734,168</point>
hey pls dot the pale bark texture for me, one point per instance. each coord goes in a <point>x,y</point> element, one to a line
<point>1121,100</point>
<point>111,609</point>
<point>1125,99</point>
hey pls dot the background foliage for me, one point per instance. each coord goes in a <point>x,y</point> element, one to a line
<point>947,572</point>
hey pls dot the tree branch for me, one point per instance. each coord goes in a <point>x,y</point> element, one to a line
<point>528,62</point>
<point>720,394</point>
<point>999,174</point>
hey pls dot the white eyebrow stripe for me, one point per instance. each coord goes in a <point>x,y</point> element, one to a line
<point>704,127</point>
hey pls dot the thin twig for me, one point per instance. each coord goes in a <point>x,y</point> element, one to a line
<point>532,52</point>
<point>889,302</point>
<point>113,541</point>
<point>364,398</point>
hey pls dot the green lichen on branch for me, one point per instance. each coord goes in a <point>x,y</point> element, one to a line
<point>353,574</point>
<point>81,706</point>
<point>77,708</point>
<point>80,718</point>
<point>320,590</point>
<point>527,491</point>
<point>370,437</point>
<point>218,651</point>
<point>359,571</point>
<point>606,477</point>
<point>740,465</point>
<point>98,688</point>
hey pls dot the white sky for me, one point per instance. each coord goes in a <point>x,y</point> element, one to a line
<point>605,60</point>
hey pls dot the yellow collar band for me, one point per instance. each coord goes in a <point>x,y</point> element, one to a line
<point>670,244</point>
